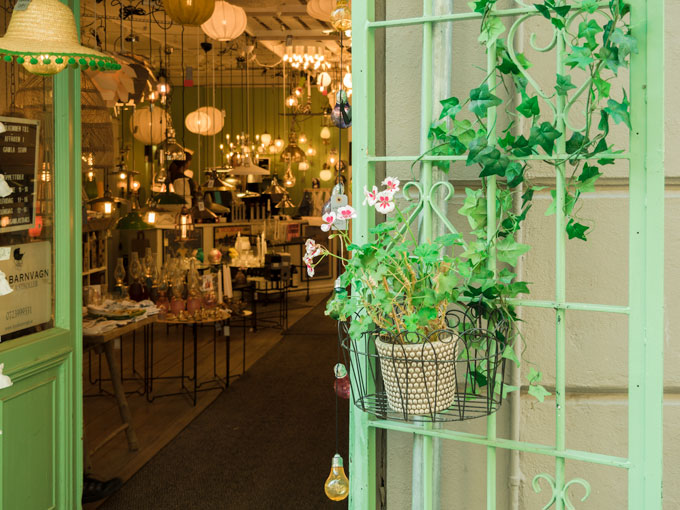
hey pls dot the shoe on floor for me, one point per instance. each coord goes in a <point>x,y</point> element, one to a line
<point>94,490</point>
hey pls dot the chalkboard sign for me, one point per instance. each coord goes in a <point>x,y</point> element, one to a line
<point>18,173</point>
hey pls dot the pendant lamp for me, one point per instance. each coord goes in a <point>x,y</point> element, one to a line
<point>216,119</point>
<point>198,122</point>
<point>226,23</point>
<point>149,125</point>
<point>321,9</point>
<point>43,37</point>
<point>293,153</point>
<point>189,12</point>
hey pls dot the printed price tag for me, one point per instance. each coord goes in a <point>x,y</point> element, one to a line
<point>4,252</point>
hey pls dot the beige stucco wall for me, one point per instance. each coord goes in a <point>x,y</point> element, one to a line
<point>597,272</point>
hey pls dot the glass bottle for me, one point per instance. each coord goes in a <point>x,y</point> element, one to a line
<point>151,275</point>
<point>136,291</point>
<point>119,276</point>
<point>194,297</point>
<point>162,302</point>
<point>177,303</point>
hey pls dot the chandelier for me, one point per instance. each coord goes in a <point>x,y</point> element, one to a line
<point>306,58</point>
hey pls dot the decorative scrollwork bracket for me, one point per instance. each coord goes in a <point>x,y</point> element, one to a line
<point>562,494</point>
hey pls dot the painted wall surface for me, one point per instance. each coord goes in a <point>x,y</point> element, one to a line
<point>597,272</point>
<point>260,108</point>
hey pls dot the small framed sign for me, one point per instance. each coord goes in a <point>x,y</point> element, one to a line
<point>18,173</point>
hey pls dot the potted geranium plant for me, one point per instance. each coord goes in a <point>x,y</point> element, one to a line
<point>403,290</point>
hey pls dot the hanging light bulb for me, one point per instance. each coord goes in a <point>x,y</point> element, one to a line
<point>311,151</point>
<point>291,101</point>
<point>302,139</point>
<point>333,158</point>
<point>266,139</point>
<point>341,17</point>
<point>325,133</point>
<point>122,176</point>
<point>325,174</point>
<point>288,178</point>
<point>278,143</point>
<point>337,484</point>
<point>151,217</point>
<point>303,166</point>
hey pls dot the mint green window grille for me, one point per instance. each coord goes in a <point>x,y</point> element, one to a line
<point>644,310</point>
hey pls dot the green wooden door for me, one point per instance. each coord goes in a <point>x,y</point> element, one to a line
<point>41,413</point>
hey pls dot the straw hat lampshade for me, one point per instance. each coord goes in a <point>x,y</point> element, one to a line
<point>226,23</point>
<point>189,12</point>
<point>43,37</point>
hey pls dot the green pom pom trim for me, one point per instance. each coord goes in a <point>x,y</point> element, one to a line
<point>83,62</point>
<point>46,61</point>
<point>20,60</point>
<point>7,58</point>
<point>59,61</point>
<point>71,60</point>
<point>33,61</point>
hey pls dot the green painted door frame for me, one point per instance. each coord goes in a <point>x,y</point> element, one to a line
<point>646,265</point>
<point>41,417</point>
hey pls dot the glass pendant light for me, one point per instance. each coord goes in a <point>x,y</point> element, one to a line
<point>341,17</point>
<point>184,224</point>
<point>337,484</point>
<point>288,178</point>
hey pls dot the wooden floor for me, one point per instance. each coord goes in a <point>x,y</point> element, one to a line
<point>158,422</point>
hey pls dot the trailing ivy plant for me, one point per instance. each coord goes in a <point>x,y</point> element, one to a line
<point>598,43</point>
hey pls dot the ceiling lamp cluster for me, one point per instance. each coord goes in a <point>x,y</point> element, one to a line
<point>226,23</point>
<point>309,58</point>
<point>57,45</point>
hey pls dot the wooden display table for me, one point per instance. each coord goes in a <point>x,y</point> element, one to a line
<point>104,342</point>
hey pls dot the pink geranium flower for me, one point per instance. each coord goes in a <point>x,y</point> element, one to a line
<point>347,213</point>
<point>329,218</point>
<point>385,203</point>
<point>370,197</point>
<point>391,185</point>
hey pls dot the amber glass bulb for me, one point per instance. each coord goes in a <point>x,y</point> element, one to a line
<point>337,484</point>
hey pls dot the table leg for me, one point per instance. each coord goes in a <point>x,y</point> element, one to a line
<point>195,331</point>
<point>120,395</point>
<point>227,343</point>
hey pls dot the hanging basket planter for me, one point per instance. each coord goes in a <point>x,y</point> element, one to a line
<point>453,374</point>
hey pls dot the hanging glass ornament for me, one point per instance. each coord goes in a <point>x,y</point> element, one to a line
<point>341,17</point>
<point>341,383</point>
<point>342,111</point>
<point>337,484</point>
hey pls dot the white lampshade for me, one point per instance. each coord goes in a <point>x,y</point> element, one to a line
<point>149,125</point>
<point>325,133</point>
<point>198,122</point>
<point>226,23</point>
<point>323,79</point>
<point>321,9</point>
<point>216,119</point>
<point>325,174</point>
<point>347,80</point>
<point>303,166</point>
<point>266,139</point>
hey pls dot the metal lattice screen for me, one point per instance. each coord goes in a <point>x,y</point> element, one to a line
<point>645,294</point>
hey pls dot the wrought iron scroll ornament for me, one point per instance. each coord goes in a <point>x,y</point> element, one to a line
<point>559,494</point>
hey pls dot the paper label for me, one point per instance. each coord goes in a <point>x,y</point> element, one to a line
<point>4,252</point>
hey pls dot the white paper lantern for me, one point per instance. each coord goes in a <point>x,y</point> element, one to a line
<point>266,139</point>
<point>198,122</point>
<point>216,119</point>
<point>325,133</point>
<point>149,125</point>
<point>226,23</point>
<point>321,9</point>
<point>325,174</point>
<point>323,79</point>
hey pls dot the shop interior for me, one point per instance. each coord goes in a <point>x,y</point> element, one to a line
<point>208,157</point>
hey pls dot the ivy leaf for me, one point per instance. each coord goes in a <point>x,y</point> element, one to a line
<point>514,173</point>
<point>529,107</point>
<point>476,146</point>
<point>528,195</point>
<point>619,111</point>
<point>589,6</point>
<point>449,239</point>
<point>545,136</point>
<point>516,288</point>
<point>557,23</point>
<point>610,55</point>
<point>507,140</point>
<point>575,143</point>
<point>586,181</point>
<point>538,392</point>
<point>588,31</point>
<point>474,208</point>
<point>562,10</point>
<point>492,28</point>
<point>507,66</point>
<point>508,250</point>
<point>509,353</point>
<point>462,129</point>
<point>522,147</point>
<point>576,231</point>
<point>481,100</point>
<point>627,43</point>
<point>450,107</point>
<point>604,122</point>
<point>603,86</point>
<point>544,10</point>
<point>564,84</point>
<point>580,57</point>
<point>493,162</point>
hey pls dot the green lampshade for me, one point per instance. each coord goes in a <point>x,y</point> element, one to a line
<point>168,198</point>
<point>133,221</point>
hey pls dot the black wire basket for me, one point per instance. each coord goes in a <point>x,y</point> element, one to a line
<point>452,374</point>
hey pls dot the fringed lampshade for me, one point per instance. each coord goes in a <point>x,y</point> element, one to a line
<point>189,12</point>
<point>226,23</point>
<point>149,125</point>
<point>43,37</point>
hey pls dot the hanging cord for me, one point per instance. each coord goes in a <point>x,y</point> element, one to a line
<point>342,106</point>
<point>198,84</point>
<point>214,105</point>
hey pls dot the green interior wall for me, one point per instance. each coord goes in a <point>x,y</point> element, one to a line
<point>233,101</point>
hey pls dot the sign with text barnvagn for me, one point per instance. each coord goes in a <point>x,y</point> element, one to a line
<point>18,173</point>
